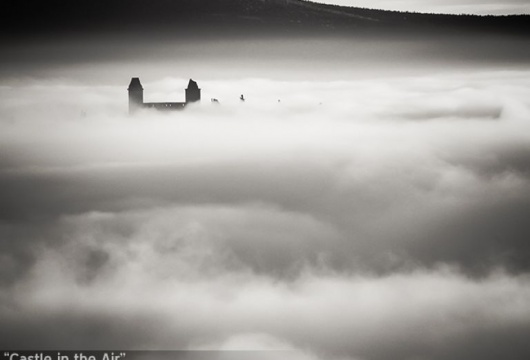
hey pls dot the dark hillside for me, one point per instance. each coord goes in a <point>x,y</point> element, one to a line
<point>251,17</point>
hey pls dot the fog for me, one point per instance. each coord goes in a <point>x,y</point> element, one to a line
<point>377,215</point>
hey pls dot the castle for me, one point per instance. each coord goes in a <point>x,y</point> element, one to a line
<point>136,97</point>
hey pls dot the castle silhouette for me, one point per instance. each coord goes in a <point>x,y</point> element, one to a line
<point>136,97</point>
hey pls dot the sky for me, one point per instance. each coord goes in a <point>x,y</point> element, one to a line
<point>482,7</point>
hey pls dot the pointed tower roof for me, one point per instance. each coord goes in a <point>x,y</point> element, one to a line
<point>135,84</point>
<point>192,85</point>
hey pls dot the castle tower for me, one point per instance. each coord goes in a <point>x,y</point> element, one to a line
<point>193,93</point>
<point>136,95</point>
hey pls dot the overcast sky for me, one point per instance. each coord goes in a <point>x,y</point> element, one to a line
<point>443,6</point>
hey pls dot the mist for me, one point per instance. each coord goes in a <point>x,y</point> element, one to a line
<point>361,213</point>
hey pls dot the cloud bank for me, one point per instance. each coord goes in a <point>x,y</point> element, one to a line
<point>371,219</point>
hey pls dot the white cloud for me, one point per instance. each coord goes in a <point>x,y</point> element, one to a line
<point>344,222</point>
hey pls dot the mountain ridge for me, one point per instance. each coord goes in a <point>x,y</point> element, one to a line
<point>32,17</point>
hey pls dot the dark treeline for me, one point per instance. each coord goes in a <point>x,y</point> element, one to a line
<point>253,17</point>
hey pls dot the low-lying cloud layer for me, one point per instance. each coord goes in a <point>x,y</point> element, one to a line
<point>371,219</point>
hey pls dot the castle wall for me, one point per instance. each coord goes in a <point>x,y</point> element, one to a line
<point>165,106</point>
<point>136,97</point>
